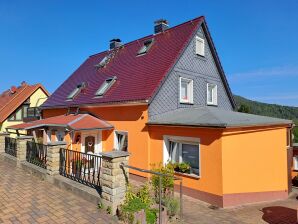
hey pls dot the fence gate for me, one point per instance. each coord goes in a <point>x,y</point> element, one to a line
<point>11,146</point>
<point>36,154</point>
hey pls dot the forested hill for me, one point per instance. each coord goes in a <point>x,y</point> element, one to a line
<point>271,110</point>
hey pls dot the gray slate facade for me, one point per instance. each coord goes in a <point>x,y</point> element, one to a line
<point>201,70</point>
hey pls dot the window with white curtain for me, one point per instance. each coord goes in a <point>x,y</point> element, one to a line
<point>186,90</point>
<point>200,46</point>
<point>185,152</point>
<point>121,140</point>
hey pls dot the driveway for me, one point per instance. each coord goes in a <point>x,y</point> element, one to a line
<point>27,199</point>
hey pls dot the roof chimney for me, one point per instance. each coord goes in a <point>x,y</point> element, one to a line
<point>114,43</point>
<point>160,25</point>
<point>13,89</point>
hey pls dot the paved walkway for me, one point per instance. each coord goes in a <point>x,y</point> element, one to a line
<point>27,199</point>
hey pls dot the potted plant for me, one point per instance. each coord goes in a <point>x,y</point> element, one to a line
<point>182,167</point>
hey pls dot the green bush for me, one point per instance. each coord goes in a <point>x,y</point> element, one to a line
<point>167,182</point>
<point>184,167</point>
<point>172,205</point>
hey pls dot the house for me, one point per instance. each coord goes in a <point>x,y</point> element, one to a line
<point>20,104</point>
<point>165,97</point>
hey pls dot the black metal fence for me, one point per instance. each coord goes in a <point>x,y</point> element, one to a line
<point>11,146</point>
<point>36,154</point>
<point>81,167</point>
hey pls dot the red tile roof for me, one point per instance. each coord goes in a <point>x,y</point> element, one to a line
<point>138,77</point>
<point>71,121</point>
<point>9,101</point>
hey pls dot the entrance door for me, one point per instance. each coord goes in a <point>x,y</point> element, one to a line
<point>89,144</point>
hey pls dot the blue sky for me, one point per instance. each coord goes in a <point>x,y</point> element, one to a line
<point>257,41</point>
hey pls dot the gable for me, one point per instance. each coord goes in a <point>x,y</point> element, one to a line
<point>201,70</point>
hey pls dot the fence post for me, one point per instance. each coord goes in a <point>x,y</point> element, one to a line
<point>2,141</point>
<point>21,148</point>
<point>53,157</point>
<point>113,179</point>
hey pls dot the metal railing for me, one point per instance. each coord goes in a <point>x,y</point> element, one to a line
<point>80,167</point>
<point>160,195</point>
<point>11,146</point>
<point>36,154</point>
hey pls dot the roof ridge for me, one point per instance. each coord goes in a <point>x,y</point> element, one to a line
<point>152,35</point>
<point>77,119</point>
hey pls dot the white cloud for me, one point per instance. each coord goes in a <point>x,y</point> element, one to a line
<point>282,71</point>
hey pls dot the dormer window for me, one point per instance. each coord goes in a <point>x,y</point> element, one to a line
<point>200,46</point>
<point>76,91</point>
<point>145,48</point>
<point>105,86</point>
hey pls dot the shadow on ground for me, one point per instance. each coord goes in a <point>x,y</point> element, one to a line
<point>279,214</point>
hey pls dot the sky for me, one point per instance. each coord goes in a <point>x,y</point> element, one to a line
<point>257,41</point>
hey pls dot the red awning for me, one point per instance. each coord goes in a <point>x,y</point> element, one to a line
<point>71,121</point>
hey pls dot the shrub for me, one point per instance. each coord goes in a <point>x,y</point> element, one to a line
<point>184,167</point>
<point>167,182</point>
<point>172,205</point>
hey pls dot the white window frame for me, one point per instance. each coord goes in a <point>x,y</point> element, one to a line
<point>107,84</point>
<point>49,136</point>
<point>57,132</point>
<point>200,46</point>
<point>189,90</point>
<point>116,143</point>
<point>180,139</point>
<point>295,162</point>
<point>214,94</point>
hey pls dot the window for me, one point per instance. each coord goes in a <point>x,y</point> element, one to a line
<point>295,162</point>
<point>145,48</point>
<point>105,86</point>
<point>103,62</point>
<point>19,114</point>
<point>200,46</point>
<point>49,136</point>
<point>76,91</point>
<point>121,140</point>
<point>60,136</point>
<point>186,90</point>
<point>211,94</point>
<point>182,150</point>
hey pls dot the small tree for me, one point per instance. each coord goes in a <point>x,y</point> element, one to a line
<point>244,108</point>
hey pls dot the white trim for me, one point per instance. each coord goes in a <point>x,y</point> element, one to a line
<point>116,143</point>
<point>214,94</point>
<point>180,139</point>
<point>189,90</point>
<point>200,46</point>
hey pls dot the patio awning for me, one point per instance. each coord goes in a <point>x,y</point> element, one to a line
<point>71,121</point>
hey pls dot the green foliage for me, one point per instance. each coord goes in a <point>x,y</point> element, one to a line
<point>100,205</point>
<point>243,108</point>
<point>184,167</point>
<point>109,210</point>
<point>172,205</point>
<point>167,182</point>
<point>135,202</point>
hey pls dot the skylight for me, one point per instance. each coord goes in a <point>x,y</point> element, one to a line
<point>76,91</point>
<point>103,62</point>
<point>105,86</point>
<point>145,48</point>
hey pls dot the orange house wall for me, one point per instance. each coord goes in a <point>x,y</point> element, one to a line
<point>254,160</point>
<point>210,152</point>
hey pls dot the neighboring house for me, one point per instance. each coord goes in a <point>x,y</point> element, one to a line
<point>165,98</point>
<point>20,104</point>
